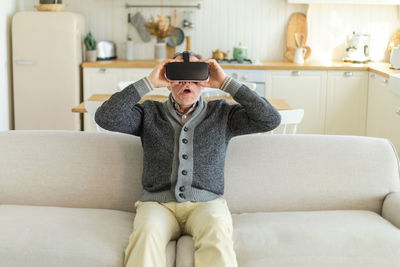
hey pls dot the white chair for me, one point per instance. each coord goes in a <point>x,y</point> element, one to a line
<point>123,84</point>
<point>157,91</point>
<point>251,86</point>
<point>291,118</point>
<point>91,107</point>
<point>209,92</point>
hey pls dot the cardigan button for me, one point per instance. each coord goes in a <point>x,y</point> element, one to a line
<point>185,129</point>
<point>181,195</point>
<point>182,188</point>
<point>184,156</point>
<point>185,141</point>
<point>184,172</point>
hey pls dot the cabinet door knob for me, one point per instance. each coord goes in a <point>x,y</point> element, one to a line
<point>348,73</point>
<point>385,81</point>
<point>397,110</point>
<point>103,70</point>
<point>296,73</point>
<point>24,62</point>
<point>372,75</point>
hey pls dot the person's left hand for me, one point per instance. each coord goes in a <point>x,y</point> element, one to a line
<point>157,77</point>
<point>217,75</point>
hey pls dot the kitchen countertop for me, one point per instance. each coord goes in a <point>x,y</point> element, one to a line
<point>381,68</point>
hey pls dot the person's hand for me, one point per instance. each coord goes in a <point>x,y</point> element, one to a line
<point>217,75</point>
<point>157,77</point>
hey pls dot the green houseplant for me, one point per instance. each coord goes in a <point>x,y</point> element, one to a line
<point>90,43</point>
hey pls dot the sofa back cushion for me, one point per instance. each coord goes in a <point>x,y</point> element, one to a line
<point>262,172</point>
<point>309,172</point>
<point>70,169</point>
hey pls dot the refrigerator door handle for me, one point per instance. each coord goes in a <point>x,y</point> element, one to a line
<point>24,62</point>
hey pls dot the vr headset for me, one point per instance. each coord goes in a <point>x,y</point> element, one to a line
<point>187,71</point>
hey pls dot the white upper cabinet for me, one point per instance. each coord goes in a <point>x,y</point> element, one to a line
<point>346,108</point>
<point>351,2</point>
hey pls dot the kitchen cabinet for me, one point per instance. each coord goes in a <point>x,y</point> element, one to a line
<point>383,115</point>
<point>301,89</point>
<point>251,76</point>
<point>100,81</point>
<point>346,107</point>
<point>105,81</point>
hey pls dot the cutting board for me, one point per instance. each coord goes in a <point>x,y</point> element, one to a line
<point>297,24</point>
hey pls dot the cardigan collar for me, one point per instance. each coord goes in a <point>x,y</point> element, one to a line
<point>200,105</point>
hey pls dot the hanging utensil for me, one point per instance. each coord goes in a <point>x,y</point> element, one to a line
<point>178,36</point>
<point>138,22</point>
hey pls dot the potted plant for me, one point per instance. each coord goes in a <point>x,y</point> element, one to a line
<point>161,29</point>
<point>90,43</point>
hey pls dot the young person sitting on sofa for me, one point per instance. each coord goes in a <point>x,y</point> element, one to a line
<point>184,142</point>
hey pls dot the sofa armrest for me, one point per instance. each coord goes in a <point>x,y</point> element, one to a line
<point>391,208</point>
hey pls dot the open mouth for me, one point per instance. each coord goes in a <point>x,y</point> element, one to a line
<point>186,91</point>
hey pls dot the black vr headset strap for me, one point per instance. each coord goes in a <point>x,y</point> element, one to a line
<point>185,56</point>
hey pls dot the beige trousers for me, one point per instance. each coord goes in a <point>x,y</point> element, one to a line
<point>155,224</point>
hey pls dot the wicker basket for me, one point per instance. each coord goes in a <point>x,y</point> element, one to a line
<point>51,7</point>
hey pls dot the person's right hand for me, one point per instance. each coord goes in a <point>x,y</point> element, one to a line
<point>157,77</point>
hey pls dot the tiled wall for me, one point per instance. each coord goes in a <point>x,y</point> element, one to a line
<point>259,24</point>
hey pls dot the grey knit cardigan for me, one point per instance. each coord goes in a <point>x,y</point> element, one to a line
<point>185,162</point>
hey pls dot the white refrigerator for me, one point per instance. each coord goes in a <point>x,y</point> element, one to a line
<point>47,50</point>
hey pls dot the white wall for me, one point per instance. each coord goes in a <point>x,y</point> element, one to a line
<point>329,25</point>
<point>259,24</point>
<point>7,9</point>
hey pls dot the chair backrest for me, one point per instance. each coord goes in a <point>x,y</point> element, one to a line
<point>123,84</point>
<point>91,107</point>
<point>209,92</point>
<point>157,91</point>
<point>251,86</point>
<point>289,121</point>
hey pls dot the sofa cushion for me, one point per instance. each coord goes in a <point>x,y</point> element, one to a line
<point>52,236</point>
<point>86,169</point>
<point>309,172</point>
<point>313,238</point>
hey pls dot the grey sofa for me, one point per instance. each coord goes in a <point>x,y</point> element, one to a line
<point>66,199</point>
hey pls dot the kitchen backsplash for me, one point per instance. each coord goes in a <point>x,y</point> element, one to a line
<point>258,24</point>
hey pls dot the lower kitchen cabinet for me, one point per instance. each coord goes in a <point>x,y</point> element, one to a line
<point>383,116</point>
<point>301,90</point>
<point>105,81</point>
<point>346,107</point>
<point>334,102</point>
